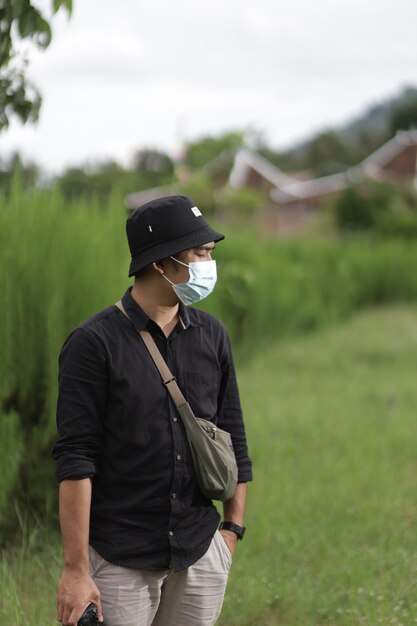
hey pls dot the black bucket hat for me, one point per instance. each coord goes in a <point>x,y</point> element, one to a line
<point>164,227</point>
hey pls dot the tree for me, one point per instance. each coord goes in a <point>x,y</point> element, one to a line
<point>404,114</point>
<point>97,181</point>
<point>328,152</point>
<point>154,166</point>
<point>200,153</point>
<point>20,20</point>
<point>27,173</point>
<point>376,206</point>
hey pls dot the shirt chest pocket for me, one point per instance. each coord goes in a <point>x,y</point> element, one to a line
<point>201,390</point>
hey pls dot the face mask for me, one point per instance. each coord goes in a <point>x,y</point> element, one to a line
<point>203,276</point>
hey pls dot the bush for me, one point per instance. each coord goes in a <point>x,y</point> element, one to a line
<point>401,223</point>
<point>376,207</point>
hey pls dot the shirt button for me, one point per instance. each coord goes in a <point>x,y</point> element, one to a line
<point>175,419</point>
<point>170,533</point>
<point>178,457</point>
<point>174,495</point>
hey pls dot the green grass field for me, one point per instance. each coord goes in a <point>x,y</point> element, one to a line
<point>332,514</point>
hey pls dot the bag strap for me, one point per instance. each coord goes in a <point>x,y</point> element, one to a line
<point>168,379</point>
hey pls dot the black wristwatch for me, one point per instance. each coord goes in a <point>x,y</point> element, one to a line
<point>234,528</point>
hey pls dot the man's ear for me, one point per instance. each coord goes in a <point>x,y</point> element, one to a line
<point>158,266</point>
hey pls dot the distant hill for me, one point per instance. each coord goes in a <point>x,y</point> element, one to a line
<point>377,118</point>
<point>334,149</point>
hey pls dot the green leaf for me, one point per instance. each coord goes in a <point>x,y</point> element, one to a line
<point>20,7</point>
<point>33,25</point>
<point>27,23</point>
<point>43,31</point>
<point>20,19</point>
<point>5,48</point>
<point>67,4</point>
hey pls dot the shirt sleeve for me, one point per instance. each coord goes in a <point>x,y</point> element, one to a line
<point>81,407</point>
<point>230,412</point>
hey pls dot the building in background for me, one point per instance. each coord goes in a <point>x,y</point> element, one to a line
<point>290,201</point>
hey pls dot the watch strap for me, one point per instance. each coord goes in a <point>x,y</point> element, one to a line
<point>234,528</point>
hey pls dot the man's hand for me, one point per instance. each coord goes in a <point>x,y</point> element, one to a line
<point>76,590</point>
<point>230,539</point>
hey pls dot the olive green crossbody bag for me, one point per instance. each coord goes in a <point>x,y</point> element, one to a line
<point>211,447</point>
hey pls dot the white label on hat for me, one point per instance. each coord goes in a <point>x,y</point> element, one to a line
<point>196,211</point>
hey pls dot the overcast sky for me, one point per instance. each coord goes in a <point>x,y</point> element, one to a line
<point>124,75</point>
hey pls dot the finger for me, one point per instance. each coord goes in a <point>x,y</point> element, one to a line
<point>75,616</point>
<point>99,611</point>
<point>66,616</point>
<point>97,601</point>
<point>59,612</point>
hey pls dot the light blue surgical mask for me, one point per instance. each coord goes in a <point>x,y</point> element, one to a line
<point>203,277</point>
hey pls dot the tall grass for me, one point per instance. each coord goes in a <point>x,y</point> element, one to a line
<point>29,572</point>
<point>61,263</point>
<point>278,288</point>
<point>58,264</point>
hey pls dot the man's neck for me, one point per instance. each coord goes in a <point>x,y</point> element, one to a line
<point>166,315</point>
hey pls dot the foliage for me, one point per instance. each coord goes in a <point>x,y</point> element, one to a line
<point>272,289</point>
<point>28,173</point>
<point>94,183</point>
<point>404,114</point>
<point>225,202</point>
<point>354,210</point>
<point>329,152</point>
<point>201,152</point>
<point>20,20</point>
<point>11,449</point>
<point>285,161</point>
<point>242,203</point>
<point>401,223</point>
<point>380,207</point>
<point>62,263</point>
<point>150,169</point>
<point>229,204</point>
<point>200,188</point>
<point>154,165</point>
<point>51,275</point>
<point>26,597</point>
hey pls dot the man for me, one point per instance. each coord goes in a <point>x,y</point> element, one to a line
<point>140,539</point>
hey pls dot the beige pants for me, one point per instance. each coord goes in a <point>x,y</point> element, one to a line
<point>192,597</point>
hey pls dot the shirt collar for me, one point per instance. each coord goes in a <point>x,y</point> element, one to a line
<point>136,314</point>
<point>142,319</point>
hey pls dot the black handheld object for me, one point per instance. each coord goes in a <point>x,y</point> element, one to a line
<point>89,617</point>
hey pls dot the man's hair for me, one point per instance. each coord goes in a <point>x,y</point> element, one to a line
<point>141,273</point>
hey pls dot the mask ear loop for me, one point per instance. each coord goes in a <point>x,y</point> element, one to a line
<point>166,278</point>
<point>174,259</point>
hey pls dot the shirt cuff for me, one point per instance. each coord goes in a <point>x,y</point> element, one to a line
<point>74,467</point>
<point>244,475</point>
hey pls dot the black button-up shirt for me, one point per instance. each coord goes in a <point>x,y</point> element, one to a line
<point>118,426</point>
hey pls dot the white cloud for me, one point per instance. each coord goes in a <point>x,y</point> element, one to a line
<point>118,77</point>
